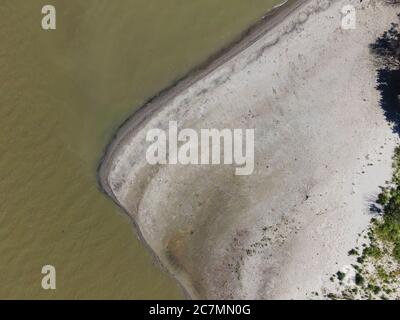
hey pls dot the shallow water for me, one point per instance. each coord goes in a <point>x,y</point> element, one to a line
<point>63,94</point>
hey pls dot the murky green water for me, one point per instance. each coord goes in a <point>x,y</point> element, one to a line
<point>62,95</point>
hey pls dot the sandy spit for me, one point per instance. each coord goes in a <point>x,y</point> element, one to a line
<point>322,149</point>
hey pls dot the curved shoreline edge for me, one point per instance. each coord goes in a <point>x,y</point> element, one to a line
<point>266,24</point>
<point>318,72</point>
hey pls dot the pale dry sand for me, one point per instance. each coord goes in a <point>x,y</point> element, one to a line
<point>322,146</point>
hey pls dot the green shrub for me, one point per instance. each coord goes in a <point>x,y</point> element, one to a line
<point>353,252</point>
<point>359,279</point>
<point>340,275</point>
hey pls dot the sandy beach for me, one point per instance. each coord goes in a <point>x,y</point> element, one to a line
<point>322,149</point>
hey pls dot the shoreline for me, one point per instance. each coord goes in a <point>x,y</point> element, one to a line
<point>316,202</point>
<point>266,24</point>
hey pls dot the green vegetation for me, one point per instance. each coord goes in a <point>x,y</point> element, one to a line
<point>388,229</point>
<point>359,279</point>
<point>377,271</point>
<point>353,252</point>
<point>372,251</point>
<point>340,275</point>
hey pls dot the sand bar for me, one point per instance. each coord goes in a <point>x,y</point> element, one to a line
<point>323,147</point>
